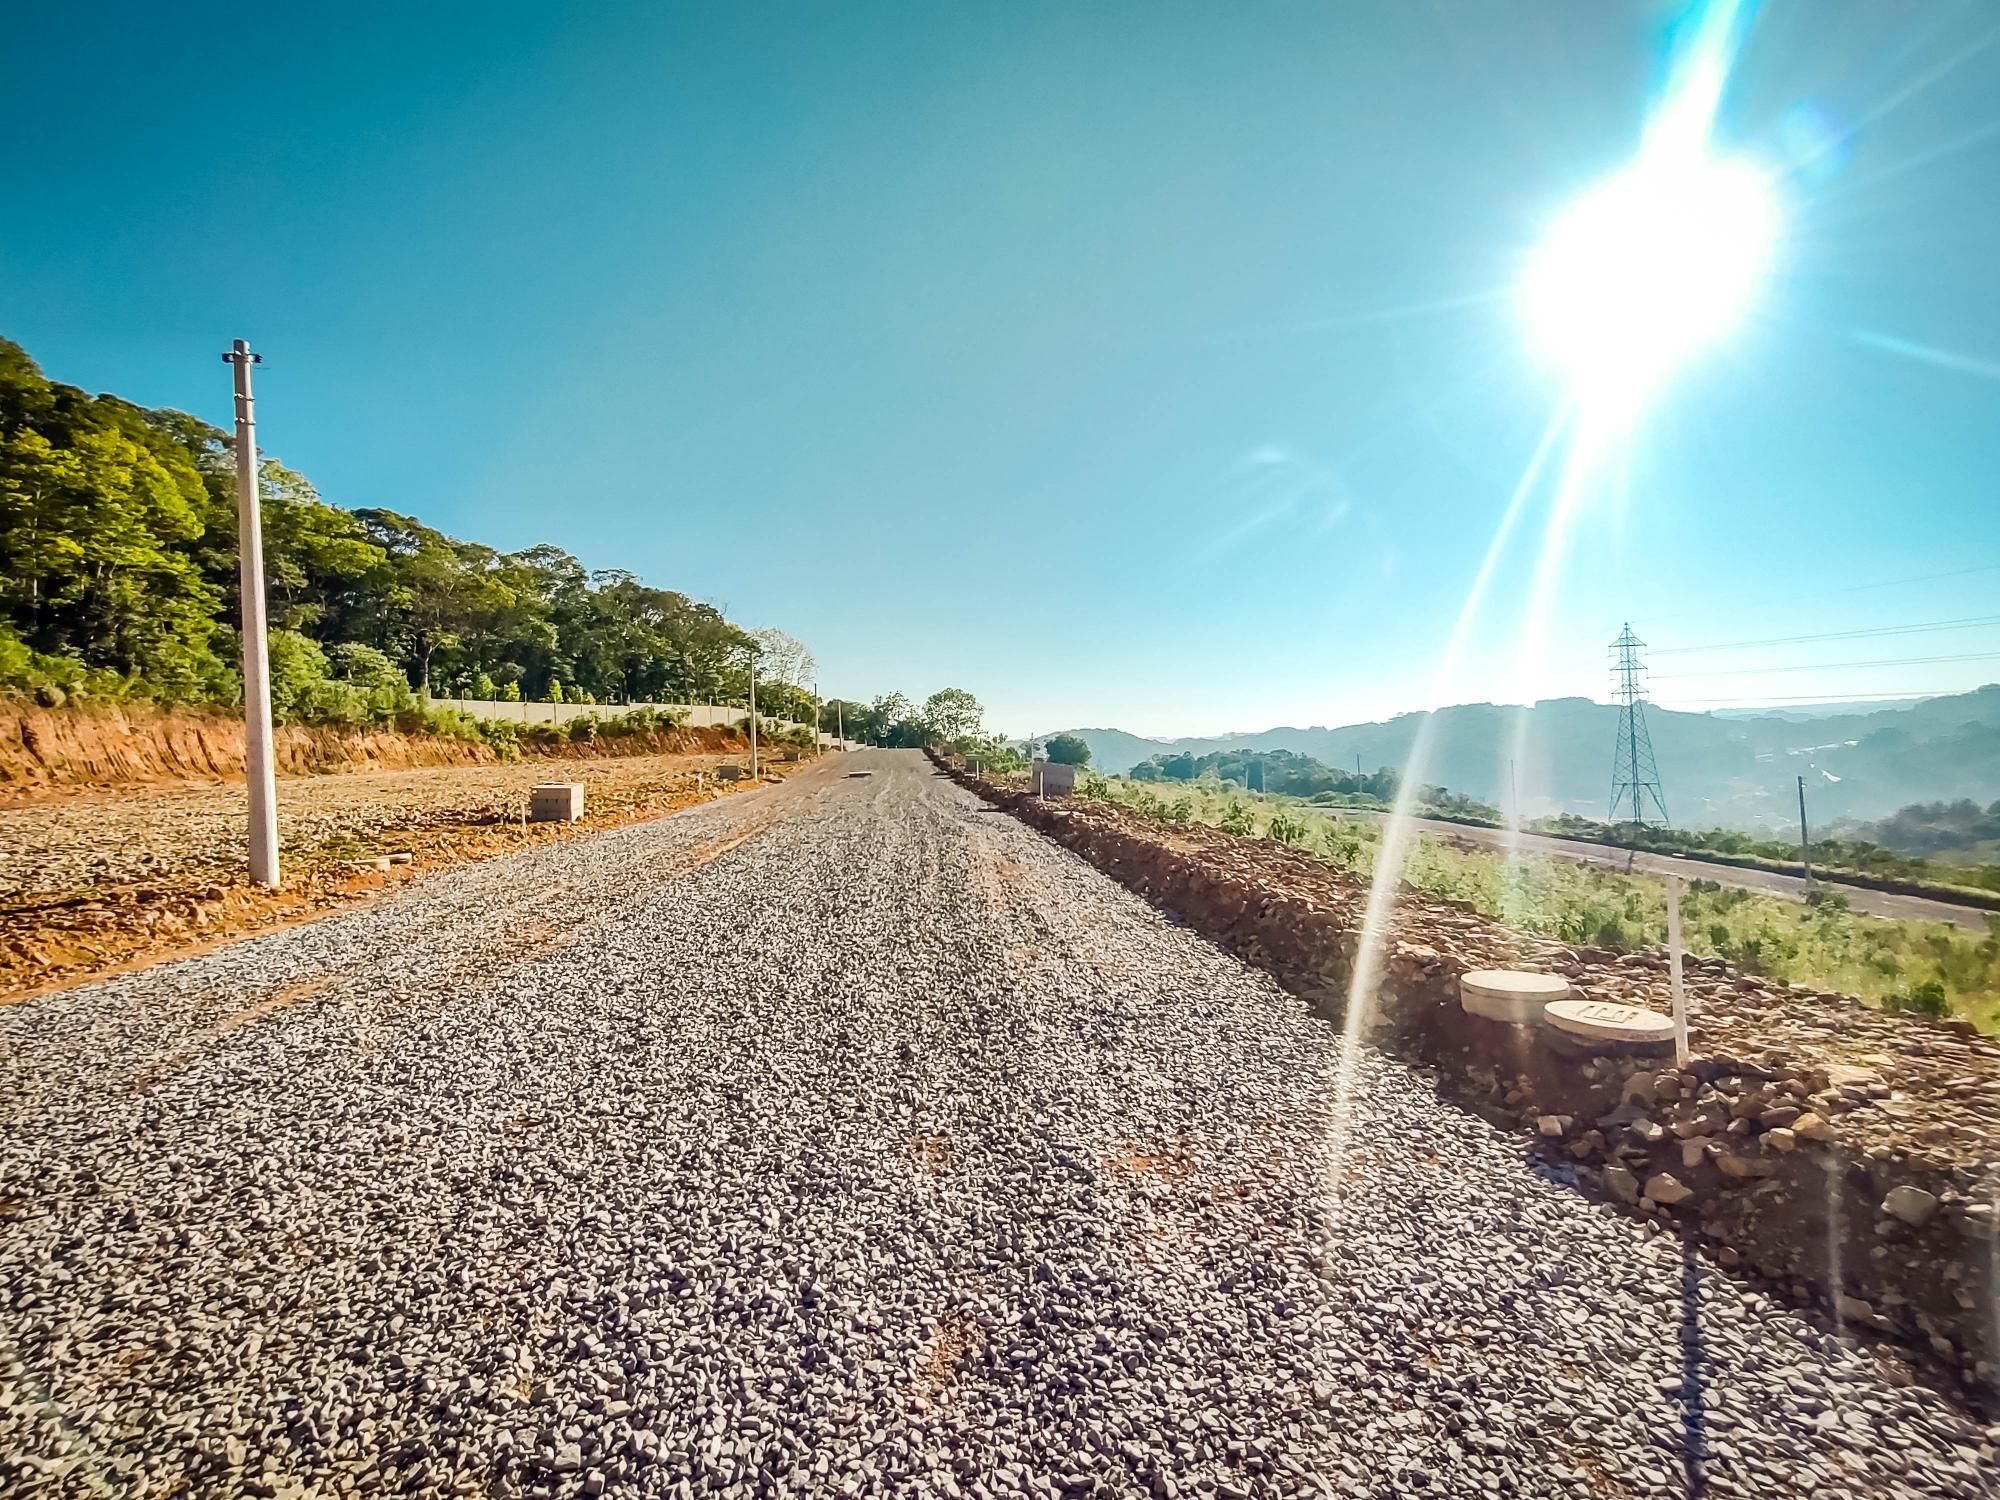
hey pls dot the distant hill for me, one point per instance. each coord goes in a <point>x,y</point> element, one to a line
<point>1734,771</point>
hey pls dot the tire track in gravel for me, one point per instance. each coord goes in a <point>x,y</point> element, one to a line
<point>842,1139</point>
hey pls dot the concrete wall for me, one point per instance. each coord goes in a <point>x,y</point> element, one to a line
<point>1052,778</point>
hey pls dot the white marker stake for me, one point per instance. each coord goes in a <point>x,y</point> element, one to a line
<point>1674,970</point>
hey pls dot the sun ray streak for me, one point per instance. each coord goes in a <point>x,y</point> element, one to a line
<point>1916,86</point>
<point>1398,828</point>
<point>1944,149</point>
<point>1927,354</point>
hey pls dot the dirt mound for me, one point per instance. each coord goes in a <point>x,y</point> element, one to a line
<point>137,744</point>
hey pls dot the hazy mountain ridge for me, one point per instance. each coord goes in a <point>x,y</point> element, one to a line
<point>1730,771</point>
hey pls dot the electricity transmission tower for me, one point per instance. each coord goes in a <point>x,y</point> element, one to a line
<point>1634,776</point>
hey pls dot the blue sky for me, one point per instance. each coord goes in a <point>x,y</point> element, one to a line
<point>1145,365</point>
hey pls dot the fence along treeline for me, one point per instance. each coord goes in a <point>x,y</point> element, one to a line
<point>118,579</point>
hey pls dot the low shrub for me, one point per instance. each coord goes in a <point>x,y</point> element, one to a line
<point>1287,829</point>
<point>1925,999</point>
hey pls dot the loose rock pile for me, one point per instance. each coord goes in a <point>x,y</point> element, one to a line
<point>841,1139</point>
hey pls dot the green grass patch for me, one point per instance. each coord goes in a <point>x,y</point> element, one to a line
<point>1922,967</point>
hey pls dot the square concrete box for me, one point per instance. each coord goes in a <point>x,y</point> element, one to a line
<point>556,802</point>
<point>1052,779</point>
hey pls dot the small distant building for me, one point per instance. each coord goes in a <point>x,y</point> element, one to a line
<point>1050,778</point>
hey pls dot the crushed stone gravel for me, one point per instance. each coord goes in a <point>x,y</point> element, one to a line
<point>60,843</point>
<point>843,1138</point>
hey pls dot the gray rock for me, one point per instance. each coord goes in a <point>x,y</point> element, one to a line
<point>1622,1184</point>
<point>1663,1187</point>
<point>1911,1204</point>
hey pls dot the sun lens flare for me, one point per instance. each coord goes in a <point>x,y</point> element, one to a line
<point>1649,268</point>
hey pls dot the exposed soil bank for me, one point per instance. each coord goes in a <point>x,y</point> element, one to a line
<point>137,744</point>
<point>1852,1155</point>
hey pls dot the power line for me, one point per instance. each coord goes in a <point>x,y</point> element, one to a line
<point>1857,588</point>
<point>1882,696</point>
<point>1830,666</point>
<point>1836,635</point>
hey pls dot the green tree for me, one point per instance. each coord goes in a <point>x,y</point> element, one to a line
<point>1067,750</point>
<point>952,714</point>
<point>118,570</point>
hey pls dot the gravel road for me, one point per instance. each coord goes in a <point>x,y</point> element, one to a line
<point>841,1138</point>
<point>56,844</point>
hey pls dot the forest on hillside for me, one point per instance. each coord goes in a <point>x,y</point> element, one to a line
<point>118,581</point>
<point>118,578</point>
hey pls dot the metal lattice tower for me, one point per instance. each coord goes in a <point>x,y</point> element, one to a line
<point>1635,778</point>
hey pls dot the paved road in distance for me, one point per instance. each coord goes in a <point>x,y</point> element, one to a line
<point>1791,887</point>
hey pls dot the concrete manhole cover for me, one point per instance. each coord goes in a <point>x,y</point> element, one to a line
<point>1608,1021</point>
<point>1509,994</point>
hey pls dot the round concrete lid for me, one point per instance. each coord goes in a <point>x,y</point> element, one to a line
<point>1608,1021</point>
<point>1515,984</point>
<point>1509,995</point>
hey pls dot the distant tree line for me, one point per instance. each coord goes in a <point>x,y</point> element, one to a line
<point>1945,843</point>
<point>1286,772</point>
<point>118,578</point>
<point>118,558</point>
<point>1931,828</point>
<point>950,719</point>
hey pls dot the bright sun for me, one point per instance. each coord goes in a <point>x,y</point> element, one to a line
<point>1649,268</point>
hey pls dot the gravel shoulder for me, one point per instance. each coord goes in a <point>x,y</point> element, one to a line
<point>62,843</point>
<point>95,881</point>
<point>844,1137</point>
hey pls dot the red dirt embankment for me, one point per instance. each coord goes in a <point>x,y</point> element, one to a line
<point>139,744</point>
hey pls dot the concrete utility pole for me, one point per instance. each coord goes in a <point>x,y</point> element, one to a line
<point>840,724</point>
<point>753,715</point>
<point>258,769</point>
<point>1804,863</point>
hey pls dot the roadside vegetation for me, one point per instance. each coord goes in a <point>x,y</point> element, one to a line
<point>1945,845</point>
<point>1925,967</point>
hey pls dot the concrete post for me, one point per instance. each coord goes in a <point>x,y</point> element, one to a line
<point>258,768</point>
<point>1674,971</point>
